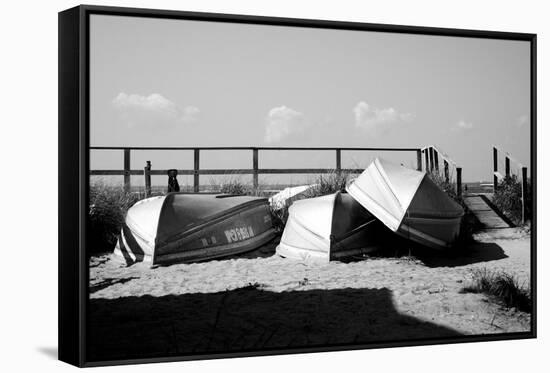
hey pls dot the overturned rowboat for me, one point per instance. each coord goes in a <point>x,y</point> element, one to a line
<point>182,227</point>
<point>328,228</point>
<point>409,203</point>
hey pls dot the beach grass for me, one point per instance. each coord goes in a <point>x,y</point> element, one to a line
<point>107,210</point>
<point>502,287</point>
<point>508,199</point>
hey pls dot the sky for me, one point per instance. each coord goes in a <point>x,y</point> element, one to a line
<point>159,82</point>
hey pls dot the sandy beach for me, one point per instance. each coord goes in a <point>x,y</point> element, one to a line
<point>263,301</point>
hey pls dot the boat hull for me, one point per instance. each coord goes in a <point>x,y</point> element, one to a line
<point>431,232</point>
<point>240,229</point>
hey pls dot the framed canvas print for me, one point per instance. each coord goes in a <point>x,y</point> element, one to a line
<point>237,186</point>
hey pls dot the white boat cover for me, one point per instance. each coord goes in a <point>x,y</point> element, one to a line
<point>325,228</point>
<point>408,202</point>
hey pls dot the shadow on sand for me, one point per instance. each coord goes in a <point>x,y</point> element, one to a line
<point>245,320</point>
<point>473,253</point>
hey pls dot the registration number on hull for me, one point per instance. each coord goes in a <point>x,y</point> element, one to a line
<point>239,234</point>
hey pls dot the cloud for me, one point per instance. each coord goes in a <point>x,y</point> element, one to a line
<point>374,119</point>
<point>522,120</point>
<point>462,125</point>
<point>154,109</point>
<point>282,122</point>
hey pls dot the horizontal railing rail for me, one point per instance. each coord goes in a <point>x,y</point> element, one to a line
<point>196,171</point>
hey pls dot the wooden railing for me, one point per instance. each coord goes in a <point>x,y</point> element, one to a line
<point>497,176</point>
<point>432,156</point>
<point>127,172</point>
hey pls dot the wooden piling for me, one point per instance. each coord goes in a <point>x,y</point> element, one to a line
<point>507,166</point>
<point>446,170</point>
<point>127,182</point>
<point>459,182</point>
<point>338,161</point>
<point>524,192</point>
<point>495,168</point>
<point>147,174</point>
<point>427,159</point>
<point>255,168</point>
<point>196,167</point>
<point>419,160</point>
<point>431,158</point>
<point>436,161</point>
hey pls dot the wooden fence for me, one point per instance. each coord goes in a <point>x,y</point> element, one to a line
<point>434,158</point>
<point>498,176</point>
<point>127,172</point>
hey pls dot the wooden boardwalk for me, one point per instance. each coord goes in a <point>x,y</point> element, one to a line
<point>485,213</point>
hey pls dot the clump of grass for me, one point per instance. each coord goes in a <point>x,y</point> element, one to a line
<point>279,217</point>
<point>507,198</point>
<point>501,286</point>
<point>234,186</point>
<point>328,184</point>
<point>449,187</point>
<point>107,210</point>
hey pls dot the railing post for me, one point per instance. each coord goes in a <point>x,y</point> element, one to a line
<point>495,169</point>
<point>127,185</point>
<point>419,160</point>
<point>427,159</point>
<point>507,166</point>
<point>446,170</point>
<point>338,161</point>
<point>147,174</point>
<point>196,170</point>
<point>523,194</point>
<point>459,182</point>
<point>431,159</point>
<point>436,161</point>
<point>255,167</point>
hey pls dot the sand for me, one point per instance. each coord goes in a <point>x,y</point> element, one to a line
<point>263,301</point>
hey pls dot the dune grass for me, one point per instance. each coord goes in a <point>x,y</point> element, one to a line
<point>502,287</point>
<point>107,210</point>
<point>508,199</point>
<point>328,184</point>
<point>234,186</point>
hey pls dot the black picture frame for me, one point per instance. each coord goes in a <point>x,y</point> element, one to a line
<point>74,82</point>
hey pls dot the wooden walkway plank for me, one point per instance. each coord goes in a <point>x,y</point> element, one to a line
<point>484,213</point>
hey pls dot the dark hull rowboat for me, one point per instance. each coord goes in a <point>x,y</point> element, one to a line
<point>182,228</point>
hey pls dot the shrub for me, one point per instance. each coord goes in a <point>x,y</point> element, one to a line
<point>501,286</point>
<point>508,198</point>
<point>107,210</point>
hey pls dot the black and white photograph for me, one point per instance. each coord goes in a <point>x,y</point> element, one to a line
<point>257,187</point>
